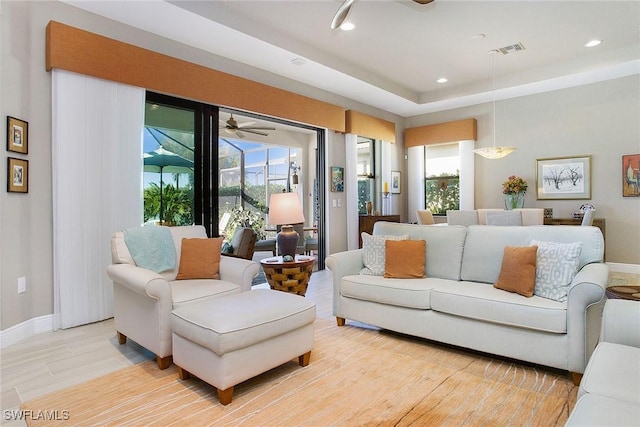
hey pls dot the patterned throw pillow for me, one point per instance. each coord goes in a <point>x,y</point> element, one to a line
<point>373,253</point>
<point>556,264</point>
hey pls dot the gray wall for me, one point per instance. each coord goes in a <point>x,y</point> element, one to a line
<point>600,119</point>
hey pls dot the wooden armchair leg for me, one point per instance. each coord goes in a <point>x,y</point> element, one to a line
<point>163,362</point>
<point>341,321</point>
<point>122,338</point>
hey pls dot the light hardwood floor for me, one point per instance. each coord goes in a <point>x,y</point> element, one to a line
<point>52,361</point>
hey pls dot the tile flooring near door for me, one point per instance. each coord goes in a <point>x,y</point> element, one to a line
<point>53,361</point>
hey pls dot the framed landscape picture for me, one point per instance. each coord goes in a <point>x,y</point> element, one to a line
<point>17,135</point>
<point>564,178</point>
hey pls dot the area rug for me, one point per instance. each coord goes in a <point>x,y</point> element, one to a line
<point>358,376</point>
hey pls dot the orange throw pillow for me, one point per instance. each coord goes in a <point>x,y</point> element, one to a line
<point>405,259</point>
<point>200,259</point>
<point>518,271</point>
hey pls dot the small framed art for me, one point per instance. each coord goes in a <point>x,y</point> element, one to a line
<point>631,175</point>
<point>564,178</point>
<point>395,182</point>
<point>17,135</point>
<point>337,179</point>
<point>17,175</point>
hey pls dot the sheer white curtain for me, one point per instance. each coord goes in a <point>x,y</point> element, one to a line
<point>97,188</point>
<point>351,189</point>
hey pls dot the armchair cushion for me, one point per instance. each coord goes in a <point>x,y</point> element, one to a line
<point>200,259</point>
<point>151,247</point>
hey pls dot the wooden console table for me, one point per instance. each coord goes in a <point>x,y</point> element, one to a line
<point>597,222</point>
<point>366,223</point>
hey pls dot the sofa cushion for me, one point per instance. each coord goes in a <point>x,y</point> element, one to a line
<point>557,264</point>
<point>518,272</point>
<point>484,302</point>
<point>398,292</point>
<point>484,246</point>
<point>405,259</point>
<point>443,256</point>
<point>188,291</point>
<point>373,252</point>
<point>613,371</point>
<point>200,259</point>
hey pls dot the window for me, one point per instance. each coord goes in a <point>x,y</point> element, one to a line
<point>168,157</point>
<point>366,172</point>
<point>442,178</point>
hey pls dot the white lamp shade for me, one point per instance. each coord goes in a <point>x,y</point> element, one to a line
<point>284,208</point>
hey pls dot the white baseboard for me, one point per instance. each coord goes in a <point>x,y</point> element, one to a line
<point>624,268</point>
<point>26,329</point>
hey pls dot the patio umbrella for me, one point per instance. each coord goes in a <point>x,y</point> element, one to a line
<point>164,161</point>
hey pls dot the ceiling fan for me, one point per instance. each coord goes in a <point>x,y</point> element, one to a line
<point>345,8</point>
<point>233,127</point>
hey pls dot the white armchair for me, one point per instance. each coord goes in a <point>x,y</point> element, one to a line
<point>144,299</point>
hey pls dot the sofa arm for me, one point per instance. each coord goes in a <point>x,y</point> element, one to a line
<point>140,280</point>
<point>343,264</point>
<point>584,309</point>
<point>621,322</point>
<point>239,271</point>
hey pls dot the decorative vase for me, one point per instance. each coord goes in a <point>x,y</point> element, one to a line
<point>369,207</point>
<point>514,200</point>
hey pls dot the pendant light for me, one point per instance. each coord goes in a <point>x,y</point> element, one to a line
<point>494,152</point>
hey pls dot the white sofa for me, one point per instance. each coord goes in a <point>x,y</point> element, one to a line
<point>609,392</point>
<point>143,299</point>
<point>457,304</point>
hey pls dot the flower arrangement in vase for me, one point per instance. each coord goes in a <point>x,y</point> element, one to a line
<point>514,189</point>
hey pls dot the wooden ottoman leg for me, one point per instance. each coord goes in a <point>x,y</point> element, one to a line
<point>183,374</point>
<point>225,396</point>
<point>122,338</point>
<point>304,359</point>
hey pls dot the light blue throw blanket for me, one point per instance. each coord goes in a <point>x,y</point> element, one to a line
<point>151,247</point>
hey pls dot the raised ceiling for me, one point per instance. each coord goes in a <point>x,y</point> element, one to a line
<point>398,50</point>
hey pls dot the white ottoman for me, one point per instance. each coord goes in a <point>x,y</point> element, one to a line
<point>227,340</point>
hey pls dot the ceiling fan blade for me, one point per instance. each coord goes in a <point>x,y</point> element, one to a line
<point>239,134</point>
<point>423,1</point>
<point>255,132</point>
<point>255,128</point>
<point>341,14</point>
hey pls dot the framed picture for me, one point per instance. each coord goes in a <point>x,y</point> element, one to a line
<point>17,175</point>
<point>395,182</point>
<point>337,179</point>
<point>17,135</point>
<point>631,175</point>
<point>564,178</point>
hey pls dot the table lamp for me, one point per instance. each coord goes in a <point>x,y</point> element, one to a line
<point>284,210</point>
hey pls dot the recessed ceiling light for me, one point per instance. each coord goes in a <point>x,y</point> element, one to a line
<point>478,36</point>
<point>347,26</point>
<point>593,43</point>
<point>442,80</point>
<point>298,61</point>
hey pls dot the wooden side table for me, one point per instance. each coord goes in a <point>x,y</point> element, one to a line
<point>290,276</point>
<point>631,292</point>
